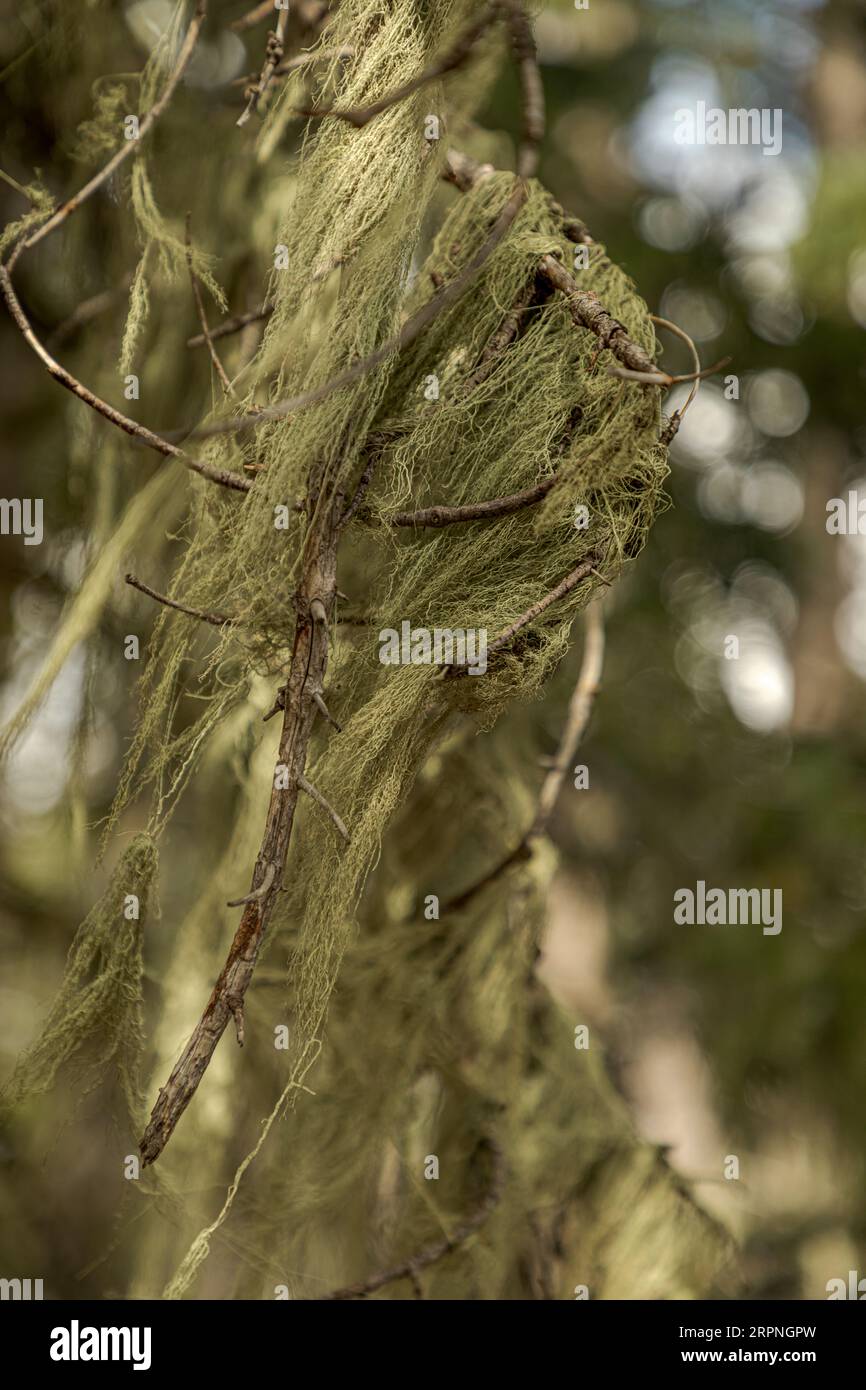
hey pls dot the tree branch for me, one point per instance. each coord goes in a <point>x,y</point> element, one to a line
<point>313,600</point>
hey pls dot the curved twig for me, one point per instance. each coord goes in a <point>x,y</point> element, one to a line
<point>674,422</point>
<point>123,422</point>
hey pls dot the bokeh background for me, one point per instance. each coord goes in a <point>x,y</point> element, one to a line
<point>744,773</point>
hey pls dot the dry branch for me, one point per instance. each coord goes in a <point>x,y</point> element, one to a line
<point>315,596</point>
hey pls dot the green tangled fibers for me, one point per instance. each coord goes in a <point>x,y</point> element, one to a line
<point>466,1046</point>
<point>95,1022</point>
<point>41,208</point>
<point>546,407</point>
<point>98,137</point>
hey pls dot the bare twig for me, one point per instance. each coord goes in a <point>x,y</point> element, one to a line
<point>660,378</point>
<point>202,316</point>
<point>123,422</point>
<point>435,1250</point>
<point>579,710</point>
<point>258,893</point>
<point>674,422</point>
<point>310,12</point>
<point>232,325</point>
<point>319,701</point>
<point>273,58</point>
<point>129,147</point>
<point>215,619</point>
<point>257,15</point>
<point>531,86</point>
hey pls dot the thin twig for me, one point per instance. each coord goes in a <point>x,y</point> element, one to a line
<point>123,422</point>
<point>129,147</point>
<point>232,325</point>
<point>435,1250</point>
<point>674,422</point>
<point>660,378</point>
<point>577,719</point>
<point>475,511</point>
<point>301,60</point>
<point>570,582</point>
<point>258,893</point>
<point>220,370</point>
<point>215,619</point>
<point>257,15</point>
<point>273,58</point>
<point>532,89</point>
<point>310,12</point>
<point>307,786</point>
